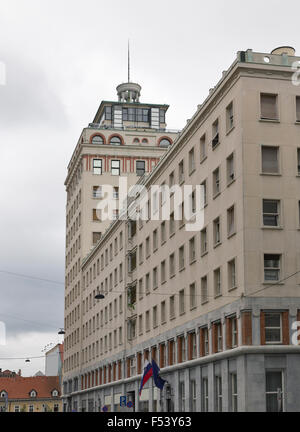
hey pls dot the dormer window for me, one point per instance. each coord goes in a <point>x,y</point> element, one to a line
<point>54,393</point>
<point>3,394</point>
<point>33,393</point>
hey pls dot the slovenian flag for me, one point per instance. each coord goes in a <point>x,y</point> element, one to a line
<point>148,372</point>
<point>159,382</point>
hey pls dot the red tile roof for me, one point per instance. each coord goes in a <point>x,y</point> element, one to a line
<point>20,387</point>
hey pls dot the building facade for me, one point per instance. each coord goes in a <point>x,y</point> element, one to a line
<point>216,307</point>
<point>30,394</point>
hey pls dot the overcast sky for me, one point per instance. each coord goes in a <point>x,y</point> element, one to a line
<point>62,57</point>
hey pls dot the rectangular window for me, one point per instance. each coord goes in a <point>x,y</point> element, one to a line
<point>155,242</point>
<point>140,168</point>
<point>181,171</point>
<point>115,167</point>
<point>273,327</point>
<point>172,307</point>
<point>147,247</point>
<point>172,265</point>
<point>271,215</point>
<point>96,237</point>
<point>171,179</point>
<point>270,161</point>
<point>193,395</point>
<point>203,239</point>
<point>172,224</point>
<point>217,282</point>
<point>230,168</point>
<point>216,182</point>
<point>163,271</point>
<point>217,231</point>
<point>181,258</point>
<point>230,221</point>
<point>154,313</point>
<point>141,253</point>
<point>192,247</point>
<point>204,191</point>
<point>96,215</point>
<point>215,134</point>
<point>233,392</point>
<point>218,393</point>
<point>140,324</point>
<point>155,278</point>
<point>147,321</point>
<point>115,192</point>
<point>229,117</point>
<point>163,232</point>
<point>274,391</point>
<point>191,160</point>
<point>298,108</point>
<point>97,192</point>
<point>181,302</point>
<point>193,298</point>
<point>298,160</point>
<point>108,113</point>
<point>204,290</point>
<point>231,274</point>
<point>268,106</point>
<point>148,283</point>
<point>203,151</point>
<point>182,396</point>
<point>163,312</point>
<point>271,267</point>
<point>97,166</point>
<point>204,398</point>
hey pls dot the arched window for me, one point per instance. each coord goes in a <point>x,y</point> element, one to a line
<point>136,141</point>
<point>97,139</point>
<point>164,142</point>
<point>3,394</point>
<point>144,141</point>
<point>33,393</point>
<point>54,393</point>
<point>115,140</point>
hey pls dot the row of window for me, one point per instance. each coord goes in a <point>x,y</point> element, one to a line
<point>115,167</point>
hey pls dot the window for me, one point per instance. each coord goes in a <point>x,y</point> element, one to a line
<point>298,108</point>
<point>215,134</point>
<point>203,239</point>
<point>155,278</point>
<point>163,312</point>
<point>108,113</point>
<point>271,213</point>
<point>171,179</point>
<point>191,161</point>
<point>147,325</point>
<point>273,327</point>
<point>270,162</point>
<point>162,115</point>
<point>231,274</point>
<point>148,283</point>
<point>172,265</point>
<point>274,391</point>
<point>202,148</point>
<point>115,192</point>
<point>230,168</point>
<point>298,160</point>
<point>172,224</point>
<point>164,143</point>
<point>204,191</point>
<point>230,221</point>
<point>204,290</point>
<point>271,267</point>
<point>154,316</point>
<point>233,392</point>
<point>181,302</point>
<point>182,396</point>
<point>131,328</point>
<point>181,258</point>
<point>163,232</point>
<point>147,247</point>
<point>97,192</point>
<point>193,298</point>
<point>229,117</point>
<point>97,139</point>
<point>172,307</point>
<point>217,282</point>
<point>218,393</point>
<point>33,394</point>
<point>268,107</point>
<point>204,394</point>
<point>115,141</point>
<point>216,182</point>
<point>30,408</point>
<point>155,242</point>
<point>97,166</point>
<point>163,271</point>
<point>140,168</point>
<point>192,250</point>
<point>115,167</point>
<point>181,171</point>
<point>96,237</point>
<point>17,408</point>
<point>140,324</point>
<point>217,231</point>
<point>141,253</point>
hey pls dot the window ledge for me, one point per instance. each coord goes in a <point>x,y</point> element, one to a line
<point>265,120</point>
<point>204,302</point>
<point>181,269</point>
<point>172,276</point>
<point>230,182</point>
<point>230,130</point>
<point>217,244</point>
<point>203,159</point>
<point>181,182</point>
<point>270,174</point>
<point>162,243</point>
<point>171,235</point>
<point>276,228</point>
<point>232,288</point>
<point>217,296</point>
<point>215,146</point>
<point>231,235</point>
<point>297,122</point>
<point>193,262</point>
<point>192,171</point>
<point>272,283</point>
<point>193,308</point>
<point>206,252</point>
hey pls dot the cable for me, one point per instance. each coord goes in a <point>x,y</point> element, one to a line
<point>29,357</point>
<point>31,322</point>
<point>275,284</point>
<point>31,277</point>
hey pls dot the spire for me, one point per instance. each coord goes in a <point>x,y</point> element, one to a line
<point>129,92</point>
<point>128,62</point>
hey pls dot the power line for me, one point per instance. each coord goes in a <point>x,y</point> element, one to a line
<point>275,284</point>
<point>31,277</point>
<point>31,322</point>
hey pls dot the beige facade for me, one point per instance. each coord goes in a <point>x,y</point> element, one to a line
<point>163,285</point>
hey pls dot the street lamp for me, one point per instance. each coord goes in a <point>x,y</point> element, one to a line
<point>61,332</point>
<point>99,296</point>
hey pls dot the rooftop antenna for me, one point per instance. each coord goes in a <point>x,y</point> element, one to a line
<point>128,62</point>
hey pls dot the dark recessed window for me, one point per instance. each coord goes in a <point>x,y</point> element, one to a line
<point>140,168</point>
<point>108,113</point>
<point>162,116</point>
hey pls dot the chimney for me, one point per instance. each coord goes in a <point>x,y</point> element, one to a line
<point>19,372</point>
